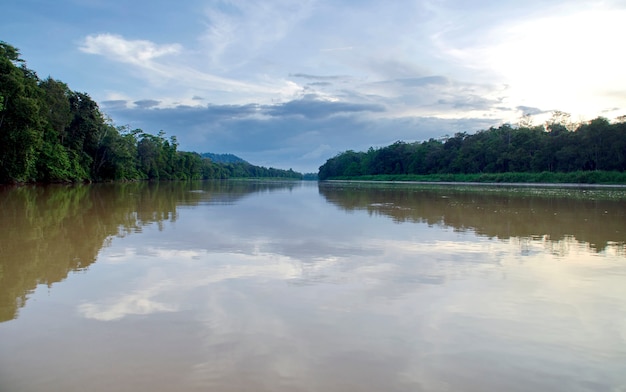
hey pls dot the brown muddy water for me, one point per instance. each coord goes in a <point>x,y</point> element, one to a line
<point>290,286</point>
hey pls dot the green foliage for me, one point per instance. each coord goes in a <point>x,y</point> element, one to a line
<point>585,153</point>
<point>20,120</point>
<point>246,170</point>
<point>49,133</point>
<point>578,177</point>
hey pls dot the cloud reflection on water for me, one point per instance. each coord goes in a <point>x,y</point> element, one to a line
<point>397,317</point>
<point>282,291</point>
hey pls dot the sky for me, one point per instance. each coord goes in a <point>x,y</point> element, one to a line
<point>290,84</point>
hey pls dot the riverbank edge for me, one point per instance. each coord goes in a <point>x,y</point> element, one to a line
<point>572,179</point>
<point>484,184</point>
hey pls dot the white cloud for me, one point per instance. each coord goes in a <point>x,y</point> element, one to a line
<point>238,31</point>
<point>471,64</point>
<point>180,274</point>
<point>174,83</point>
<point>566,60</point>
<point>131,305</point>
<point>129,51</point>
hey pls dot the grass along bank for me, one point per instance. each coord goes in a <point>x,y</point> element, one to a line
<point>578,177</point>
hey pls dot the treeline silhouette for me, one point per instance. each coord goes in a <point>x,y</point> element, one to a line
<point>49,133</point>
<point>558,147</point>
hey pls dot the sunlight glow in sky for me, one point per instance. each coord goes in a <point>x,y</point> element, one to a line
<point>291,84</point>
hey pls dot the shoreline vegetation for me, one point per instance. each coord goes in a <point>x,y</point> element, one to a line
<point>51,134</point>
<point>560,151</point>
<point>577,178</point>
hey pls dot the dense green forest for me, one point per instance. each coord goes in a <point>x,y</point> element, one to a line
<point>49,133</point>
<point>597,146</point>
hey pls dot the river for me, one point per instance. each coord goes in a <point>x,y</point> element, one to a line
<point>300,286</point>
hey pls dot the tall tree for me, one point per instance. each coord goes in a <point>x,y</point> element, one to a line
<point>20,119</point>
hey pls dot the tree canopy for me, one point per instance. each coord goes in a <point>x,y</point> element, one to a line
<point>49,133</point>
<point>559,146</point>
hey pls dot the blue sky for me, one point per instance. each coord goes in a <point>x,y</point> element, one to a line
<point>290,84</point>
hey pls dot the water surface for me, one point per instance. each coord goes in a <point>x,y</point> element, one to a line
<point>238,286</point>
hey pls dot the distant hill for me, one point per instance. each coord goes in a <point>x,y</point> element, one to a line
<point>231,166</point>
<point>223,158</point>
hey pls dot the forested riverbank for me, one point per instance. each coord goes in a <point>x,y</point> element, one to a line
<point>49,133</point>
<point>559,151</point>
<point>578,177</point>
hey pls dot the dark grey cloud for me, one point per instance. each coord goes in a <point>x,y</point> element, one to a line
<point>197,98</point>
<point>213,112</point>
<point>147,103</point>
<point>312,107</point>
<point>182,116</point>
<point>300,134</point>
